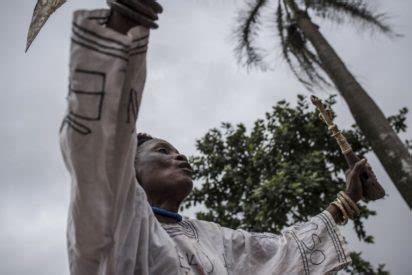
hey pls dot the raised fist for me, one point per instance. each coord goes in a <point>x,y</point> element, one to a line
<point>143,12</point>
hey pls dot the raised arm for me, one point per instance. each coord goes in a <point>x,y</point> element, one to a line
<point>98,139</point>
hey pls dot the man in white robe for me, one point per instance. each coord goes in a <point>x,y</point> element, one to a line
<point>111,226</point>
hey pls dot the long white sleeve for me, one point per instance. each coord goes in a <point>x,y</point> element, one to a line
<point>98,140</point>
<point>313,247</point>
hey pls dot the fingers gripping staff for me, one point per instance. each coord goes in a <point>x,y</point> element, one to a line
<point>143,12</point>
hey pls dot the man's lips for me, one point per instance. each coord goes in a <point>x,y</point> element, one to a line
<point>185,166</point>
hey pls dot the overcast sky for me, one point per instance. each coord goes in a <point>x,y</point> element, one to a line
<point>193,84</point>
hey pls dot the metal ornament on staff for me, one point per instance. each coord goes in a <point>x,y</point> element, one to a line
<point>372,190</point>
<point>42,12</point>
<point>134,9</point>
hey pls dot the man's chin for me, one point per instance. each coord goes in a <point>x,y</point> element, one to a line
<point>185,185</point>
<point>184,174</point>
<point>187,172</point>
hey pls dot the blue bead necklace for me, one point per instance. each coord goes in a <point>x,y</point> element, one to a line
<point>167,214</point>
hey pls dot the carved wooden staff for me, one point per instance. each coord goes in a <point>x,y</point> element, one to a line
<point>372,190</point>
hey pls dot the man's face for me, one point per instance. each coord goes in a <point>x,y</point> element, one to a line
<point>163,172</point>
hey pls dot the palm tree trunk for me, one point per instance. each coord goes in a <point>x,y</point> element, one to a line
<point>386,144</point>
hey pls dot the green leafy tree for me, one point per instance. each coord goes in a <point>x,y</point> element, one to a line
<point>313,60</point>
<point>284,170</point>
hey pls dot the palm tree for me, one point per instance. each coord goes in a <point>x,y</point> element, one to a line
<point>310,56</point>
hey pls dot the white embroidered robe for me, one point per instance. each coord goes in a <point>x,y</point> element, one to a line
<point>111,227</point>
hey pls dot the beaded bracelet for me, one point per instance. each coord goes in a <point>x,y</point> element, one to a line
<point>348,208</point>
<point>343,211</point>
<point>353,205</point>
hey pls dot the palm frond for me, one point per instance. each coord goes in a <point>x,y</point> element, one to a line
<point>317,65</point>
<point>280,25</point>
<point>249,25</point>
<point>356,10</point>
<point>296,51</point>
<point>304,64</point>
<point>309,68</point>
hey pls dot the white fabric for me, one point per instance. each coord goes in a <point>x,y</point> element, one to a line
<point>111,227</point>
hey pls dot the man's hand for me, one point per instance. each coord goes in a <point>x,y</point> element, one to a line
<point>129,13</point>
<point>354,187</point>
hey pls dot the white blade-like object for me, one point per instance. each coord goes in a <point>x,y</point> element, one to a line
<point>42,12</point>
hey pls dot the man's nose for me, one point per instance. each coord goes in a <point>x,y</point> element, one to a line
<point>181,157</point>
